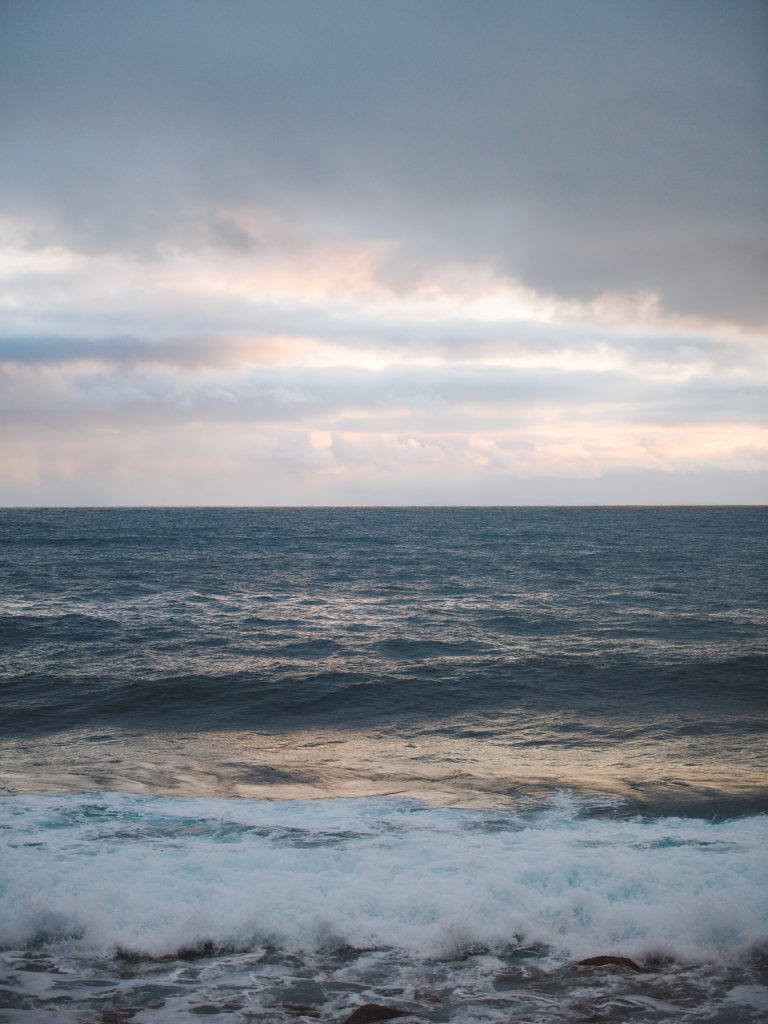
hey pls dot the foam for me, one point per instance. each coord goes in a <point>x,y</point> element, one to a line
<point>156,874</point>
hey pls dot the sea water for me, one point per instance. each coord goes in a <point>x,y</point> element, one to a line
<point>276,764</point>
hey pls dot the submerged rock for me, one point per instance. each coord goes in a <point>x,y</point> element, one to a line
<point>201,952</point>
<point>622,962</point>
<point>117,1015</point>
<point>370,1012</point>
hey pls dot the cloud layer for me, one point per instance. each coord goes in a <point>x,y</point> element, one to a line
<point>360,252</point>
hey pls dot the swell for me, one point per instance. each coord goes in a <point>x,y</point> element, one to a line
<point>350,690</point>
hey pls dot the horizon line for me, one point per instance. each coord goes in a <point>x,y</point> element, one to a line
<point>374,507</point>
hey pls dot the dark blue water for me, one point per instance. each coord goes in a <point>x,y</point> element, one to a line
<point>207,619</point>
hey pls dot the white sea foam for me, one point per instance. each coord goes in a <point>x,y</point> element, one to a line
<point>155,874</point>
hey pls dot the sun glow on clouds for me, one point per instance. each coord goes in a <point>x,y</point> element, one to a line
<point>278,368</point>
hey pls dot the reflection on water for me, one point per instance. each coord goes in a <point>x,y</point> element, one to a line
<point>467,764</point>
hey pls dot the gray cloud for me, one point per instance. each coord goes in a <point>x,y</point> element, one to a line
<point>424,399</point>
<point>579,146</point>
<point>452,340</point>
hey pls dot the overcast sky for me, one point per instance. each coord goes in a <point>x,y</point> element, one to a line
<point>383,251</point>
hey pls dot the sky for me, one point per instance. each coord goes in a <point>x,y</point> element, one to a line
<point>350,252</point>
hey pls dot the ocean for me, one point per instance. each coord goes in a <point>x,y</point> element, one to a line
<point>281,764</point>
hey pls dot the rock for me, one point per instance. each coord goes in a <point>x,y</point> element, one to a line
<point>622,962</point>
<point>428,997</point>
<point>202,951</point>
<point>370,1012</point>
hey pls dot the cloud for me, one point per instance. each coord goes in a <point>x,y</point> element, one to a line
<point>577,148</point>
<point>270,435</point>
<point>363,252</point>
<point>311,371</point>
<point>229,464</point>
